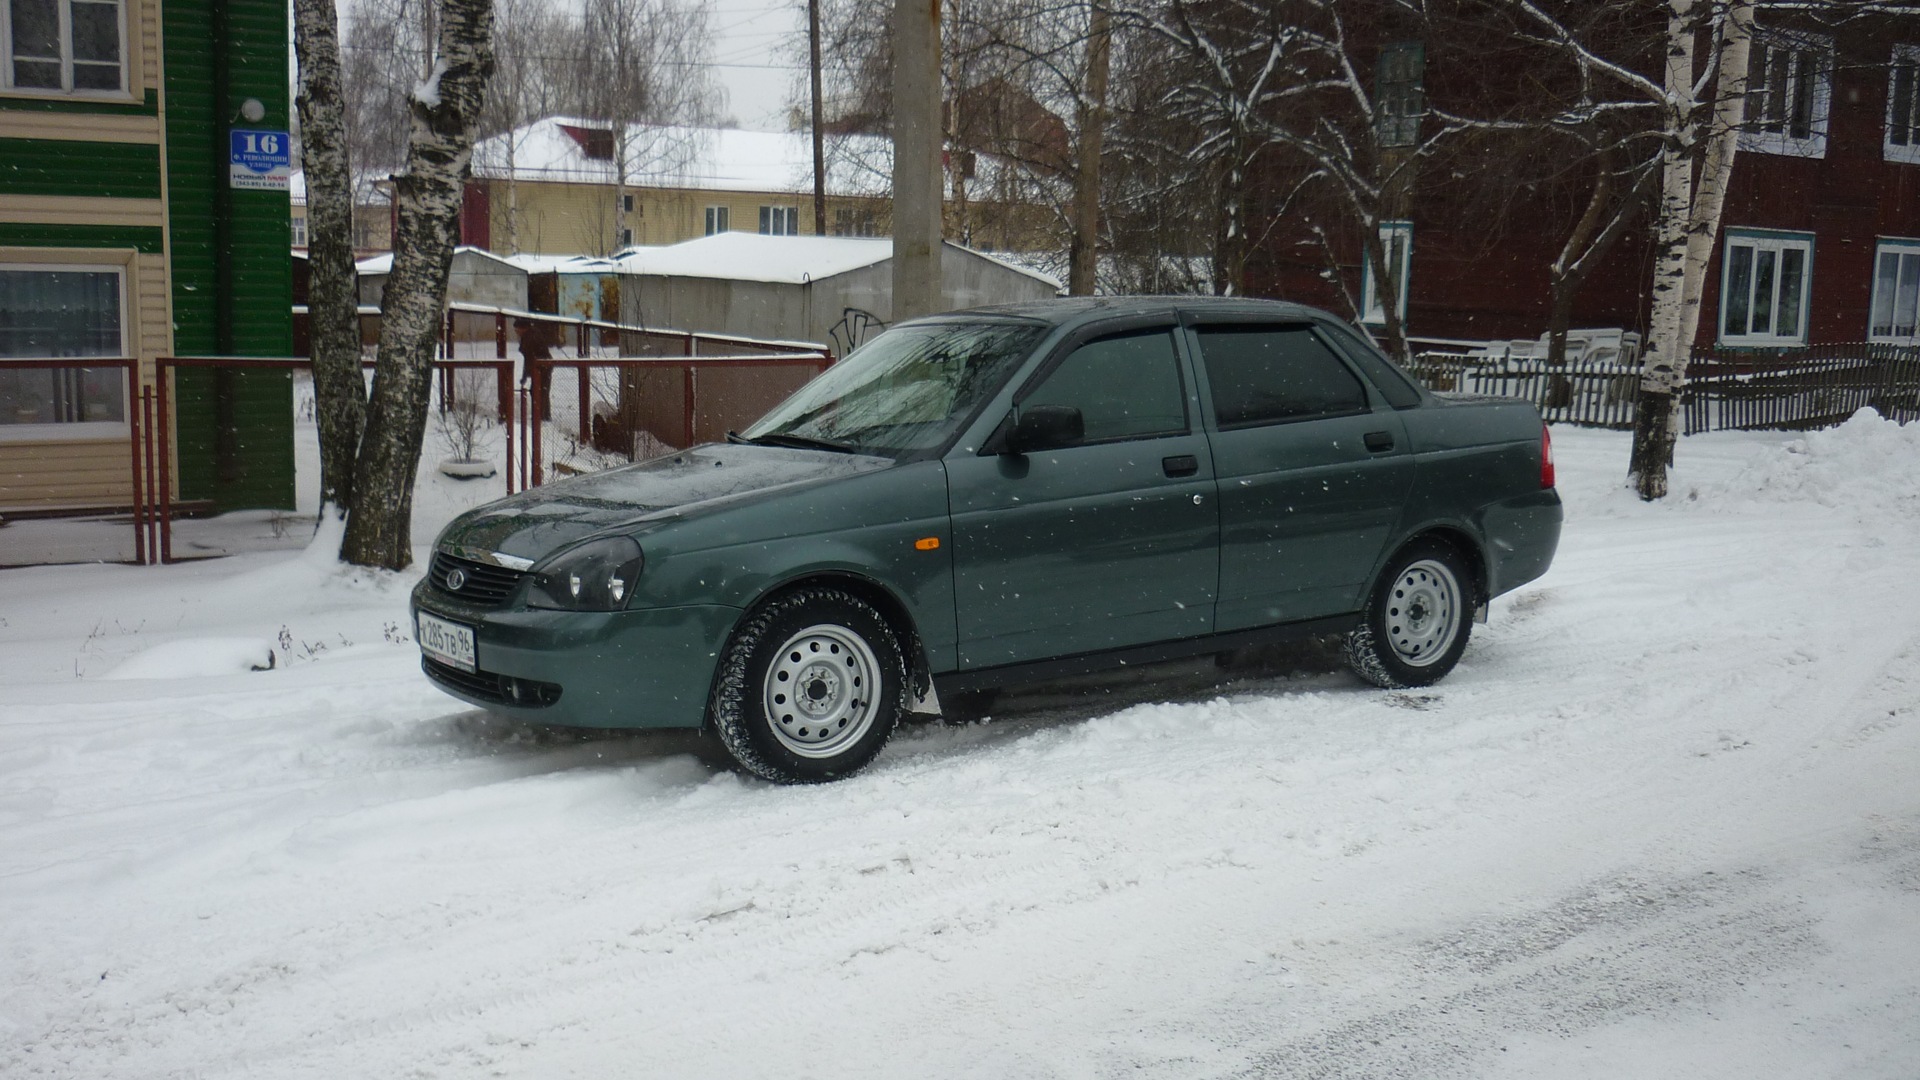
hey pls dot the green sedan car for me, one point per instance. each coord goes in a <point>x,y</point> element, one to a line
<point>1000,496</point>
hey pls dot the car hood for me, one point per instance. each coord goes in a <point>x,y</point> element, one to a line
<point>538,522</point>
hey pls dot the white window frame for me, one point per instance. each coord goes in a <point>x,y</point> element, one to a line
<point>66,88</point>
<point>1906,280</point>
<point>779,220</point>
<point>717,214</point>
<point>1761,241</point>
<point>82,429</point>
<point>1803,47</point>
<point>299,226</point>
<point>1904,61</point>
<point>1397,237</point>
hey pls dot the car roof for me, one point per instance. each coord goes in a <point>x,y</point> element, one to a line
<point>1074,309</point>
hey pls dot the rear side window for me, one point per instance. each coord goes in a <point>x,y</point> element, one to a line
<point>1126,386</point>
<point>1268,374</point>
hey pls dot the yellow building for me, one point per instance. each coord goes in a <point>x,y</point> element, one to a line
<point>550,187</point>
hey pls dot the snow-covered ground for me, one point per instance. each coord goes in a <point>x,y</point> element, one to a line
<point>1664,820</point>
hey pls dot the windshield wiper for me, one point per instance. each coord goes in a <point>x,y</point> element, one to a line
<point>802,442</point>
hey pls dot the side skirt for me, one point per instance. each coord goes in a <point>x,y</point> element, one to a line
<point>1039,671</point>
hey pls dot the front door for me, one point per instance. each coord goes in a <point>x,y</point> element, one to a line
<point>1108,543</point>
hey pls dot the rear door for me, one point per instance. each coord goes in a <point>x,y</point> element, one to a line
<point>1313,471</point>
<point>1105,544</point>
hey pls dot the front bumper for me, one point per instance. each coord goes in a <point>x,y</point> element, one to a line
<point>644,668</point>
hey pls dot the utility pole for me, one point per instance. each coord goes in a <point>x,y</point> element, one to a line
<point>916,158</point>
<point>819,149</point>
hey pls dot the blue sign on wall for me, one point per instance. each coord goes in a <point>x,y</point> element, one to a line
<point>260,160</point>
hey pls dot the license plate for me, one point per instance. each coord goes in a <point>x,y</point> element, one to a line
<point>450,643</point>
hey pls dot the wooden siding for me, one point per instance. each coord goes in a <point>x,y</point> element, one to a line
<point>87,169</point>
<point>231,285</point>
<point>45,474</point>
<point>47,124</point>
<point>60,210</point>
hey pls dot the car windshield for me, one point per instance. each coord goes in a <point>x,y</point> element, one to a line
<point>906,390</point>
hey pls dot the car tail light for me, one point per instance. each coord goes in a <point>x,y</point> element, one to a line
<point>1546,458</point>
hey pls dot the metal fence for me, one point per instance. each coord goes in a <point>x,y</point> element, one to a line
<point>1784,391</point>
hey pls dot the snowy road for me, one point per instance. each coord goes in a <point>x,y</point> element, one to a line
<point>1663,820</point>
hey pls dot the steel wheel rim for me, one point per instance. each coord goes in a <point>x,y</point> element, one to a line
<point>1422,612</point>
<point>821,692</point>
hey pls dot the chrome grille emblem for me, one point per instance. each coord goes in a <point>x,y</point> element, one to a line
<point>455,579</point>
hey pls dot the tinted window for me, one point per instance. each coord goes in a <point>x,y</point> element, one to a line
<point>1394,385</point>
<point>1262,374</point>
<point>1126,387</point>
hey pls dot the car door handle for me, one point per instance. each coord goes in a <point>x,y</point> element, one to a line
<point>1180,465</point>
<point>1379,441</point>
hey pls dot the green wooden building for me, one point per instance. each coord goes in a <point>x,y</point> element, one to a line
<point>143,213</point>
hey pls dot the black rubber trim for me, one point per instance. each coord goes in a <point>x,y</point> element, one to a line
<point>1035,671</point>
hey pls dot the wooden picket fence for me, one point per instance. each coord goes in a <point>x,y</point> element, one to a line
<point>1792,390</point>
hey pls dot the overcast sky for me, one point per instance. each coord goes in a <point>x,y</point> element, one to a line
<point>755,57</point>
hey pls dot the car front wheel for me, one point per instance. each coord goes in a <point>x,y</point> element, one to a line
<point>810,687</point>
<point>1417,621</point>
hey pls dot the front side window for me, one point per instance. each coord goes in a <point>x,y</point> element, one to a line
<point>66,46</point>
<point>1269,374</point>
<point>1763,288</point>
<point>716,220</point>
<point>1896,293</point>
<point>59,313</point>
<point>1789,87</point>
<point>1397,238</point>
<point>1903,105</point>
<point>1126,386</point>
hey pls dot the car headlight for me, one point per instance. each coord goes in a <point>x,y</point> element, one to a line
<point>598,575</point>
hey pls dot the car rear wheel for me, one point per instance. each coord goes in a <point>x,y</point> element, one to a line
<point>810,687</point>
<point>1417,621</point>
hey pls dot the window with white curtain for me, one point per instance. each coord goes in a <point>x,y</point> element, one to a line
<point>57,312</point>
<point>1764,282</point>
<point>1896,293</point>
<point>1397,238</point>
<point>1789,90</point>
<point>64,46</point>
<point>1903,105</point>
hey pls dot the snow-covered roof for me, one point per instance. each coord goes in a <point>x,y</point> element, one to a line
<point>563,264</point>
<point>711,159</point>
<point>741,256</point>
<point>383,263</point>
<point>367,189</point>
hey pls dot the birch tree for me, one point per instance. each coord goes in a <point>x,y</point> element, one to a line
<point>332,304</point>
<point>1700,99</point>
<point>443,112</point>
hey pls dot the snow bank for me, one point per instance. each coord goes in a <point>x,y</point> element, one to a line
<point>198,658</point>
<point>1869,465</point>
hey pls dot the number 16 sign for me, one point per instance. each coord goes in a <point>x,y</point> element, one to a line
<point>260,160</point>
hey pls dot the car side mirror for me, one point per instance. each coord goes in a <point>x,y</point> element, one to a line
<point>1045,427</point>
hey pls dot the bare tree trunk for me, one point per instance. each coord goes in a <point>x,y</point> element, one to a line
<point>1563,276</point>
<point>1654,429</point>
<point>1386,285</point>
<point>1084,252</point>
<point>340,396</point>
<point>446,110</point>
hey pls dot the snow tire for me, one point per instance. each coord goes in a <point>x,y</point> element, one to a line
<point>810,687</point>
<point>1417,620</point>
